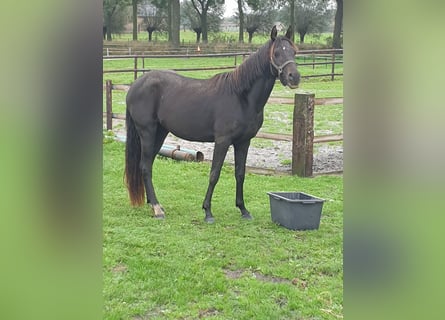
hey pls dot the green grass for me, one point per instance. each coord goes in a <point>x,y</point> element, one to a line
<point>328,119</point>
<point>322,87</point>
<point>183,268</point>
<point>189,37</point>
<point>199,62</point>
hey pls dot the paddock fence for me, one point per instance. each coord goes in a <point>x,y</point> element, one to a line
<point>329,58</point>
<point>302,137</point>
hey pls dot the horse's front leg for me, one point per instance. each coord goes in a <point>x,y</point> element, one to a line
<point>241,150</point>
<point>219,154</point>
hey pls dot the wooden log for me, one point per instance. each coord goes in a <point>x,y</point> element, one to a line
<point>303,134</point>
<point>318,101</point>
<point>122,87</point>
<point>328,101</point>
<point>120,116</point>
<point>274,136</point>
<point>328,138</point>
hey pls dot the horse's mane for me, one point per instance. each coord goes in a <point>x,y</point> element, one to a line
<point>242,78</point>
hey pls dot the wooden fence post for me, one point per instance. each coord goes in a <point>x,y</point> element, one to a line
<point>303,134</point>
<point>135,67</point>
<point>108,98</point>
<point>333,66</point>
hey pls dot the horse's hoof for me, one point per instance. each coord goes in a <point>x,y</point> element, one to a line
<point>247,216</point>
<point>209,220</point>
<point>158,211</point>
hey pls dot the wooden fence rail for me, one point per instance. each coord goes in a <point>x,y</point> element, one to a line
<point>113,51</point>
<point>302,138</point>
<point>312,54</point>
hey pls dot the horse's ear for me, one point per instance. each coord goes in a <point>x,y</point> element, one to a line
<point>289,33</point>
<point>273,33</point>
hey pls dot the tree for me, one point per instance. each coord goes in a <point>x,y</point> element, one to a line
<point>134,4</point>
<point>192,19</point>
<point>288,15</point>
<point>241,20</point>
<point>172,9</point>
<point>255,16</point>
<point>292,19</point>
<point>114,16</point>
<point>175,22</point>
<point>311,16</point>
<point>261,16</point>
<point>252,22</point>
<point>202,8</point>
<point>336,43</point>
<point>154,18</point>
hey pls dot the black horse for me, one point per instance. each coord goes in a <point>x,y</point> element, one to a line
<point>226,109</point>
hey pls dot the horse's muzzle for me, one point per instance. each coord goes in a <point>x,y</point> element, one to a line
<point>290,78</point>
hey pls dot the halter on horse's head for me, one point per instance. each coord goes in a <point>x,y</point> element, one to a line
<point>282,58</point>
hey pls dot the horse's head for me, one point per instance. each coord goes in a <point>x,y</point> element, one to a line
<point>282,58</point>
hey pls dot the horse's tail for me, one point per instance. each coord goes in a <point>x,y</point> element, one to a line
<point>133,172</point>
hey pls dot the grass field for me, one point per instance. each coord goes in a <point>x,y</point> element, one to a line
<point>322,87</point>
<point>189,37</point>
<point>183,268</point>
<point>201,62</point>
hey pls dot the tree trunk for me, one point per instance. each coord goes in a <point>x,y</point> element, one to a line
<point>109,38</point>
<point>175,22</point>
<point>241,21</point>
<point>150,35</point>
<point>169,19</point>
<point>198,34</point>
<point>336,43</point>
<point>302,37</point>
<point>292,19</point>
<point>135,19</point>
<point>204,27</point>
<point>250,37</point>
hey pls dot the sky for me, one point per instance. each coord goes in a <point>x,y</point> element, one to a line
<point>231,7</point>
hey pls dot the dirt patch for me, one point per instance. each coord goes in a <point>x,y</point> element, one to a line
<point>272,279</point>
<point>281,301</point>
<point>237,274</point>
<point>275,155</point>
<point>207,313</point>
<point>233,274</point>
<point>120,268</point>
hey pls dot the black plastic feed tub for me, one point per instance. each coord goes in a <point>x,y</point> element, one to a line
<point>295,210</point>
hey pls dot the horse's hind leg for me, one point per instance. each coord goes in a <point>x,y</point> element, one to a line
<point>241,150</point>
<point>152,139</point>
